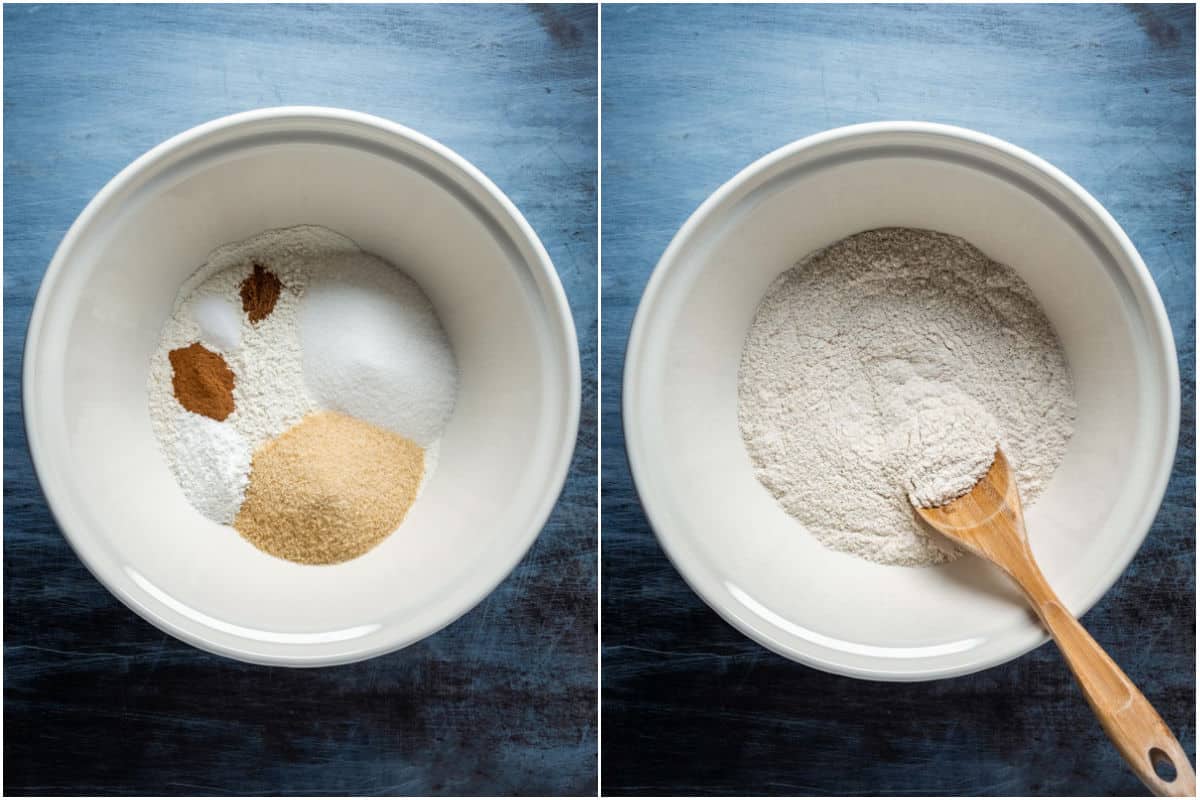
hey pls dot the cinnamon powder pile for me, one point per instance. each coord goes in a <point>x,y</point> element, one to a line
<point>202,381</point>
<point>260,291</point>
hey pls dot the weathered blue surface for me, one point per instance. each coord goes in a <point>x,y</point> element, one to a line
<point>99,702</point>
<point>691,95</point>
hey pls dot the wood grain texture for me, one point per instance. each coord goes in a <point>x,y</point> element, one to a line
<point>98,701</point>
<point>989,522</point>
<point>691,95</point>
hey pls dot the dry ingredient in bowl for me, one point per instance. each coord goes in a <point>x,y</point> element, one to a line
<point>885,370</point>
<point>355,367</point>
<point>329,489</point>
<point>202,381</point>
<point>260,292</point>
<point>266,341</point>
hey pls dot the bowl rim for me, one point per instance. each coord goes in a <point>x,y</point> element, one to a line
<point>1157,322</point>
<point>560,325</point>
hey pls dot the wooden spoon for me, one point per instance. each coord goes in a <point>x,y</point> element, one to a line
<point>988,522</point>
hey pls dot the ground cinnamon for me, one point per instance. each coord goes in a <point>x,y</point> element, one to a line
<point>202,381</point>
<point>260,290</point>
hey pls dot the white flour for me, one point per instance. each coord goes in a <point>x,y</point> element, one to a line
<point>210,459</point>
<point>887,368</point>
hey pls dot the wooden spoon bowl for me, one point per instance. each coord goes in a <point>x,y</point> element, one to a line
<point>989,522</point>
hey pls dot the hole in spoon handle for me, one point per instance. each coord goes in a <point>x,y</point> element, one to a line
<point>1135,727</point>
<point>1170,772</point>
<point>1162,764</point>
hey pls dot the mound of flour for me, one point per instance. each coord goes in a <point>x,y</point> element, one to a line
<point>884,371</point>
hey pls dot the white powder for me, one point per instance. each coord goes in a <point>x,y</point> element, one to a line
<point>268,362</point>
<point>220,322</point>
<point>212,464</point>
<point>886,369</point>
<point>949,439</point>
<point>374,349</point>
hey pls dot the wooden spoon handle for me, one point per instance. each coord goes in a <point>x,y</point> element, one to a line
<point>1136,729</point>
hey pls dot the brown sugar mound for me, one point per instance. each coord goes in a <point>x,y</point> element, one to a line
<point>329,489</point>
<point>260,291</point>
<point>202,381</point>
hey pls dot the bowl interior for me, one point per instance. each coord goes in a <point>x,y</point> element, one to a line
<point>724,531</point>
<point>501,461</point>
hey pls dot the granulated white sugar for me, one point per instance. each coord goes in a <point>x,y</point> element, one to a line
<point>883,371</point>
<point>386,333</point>
<point>374,349</point>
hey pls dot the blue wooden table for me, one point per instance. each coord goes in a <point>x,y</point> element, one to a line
<point>98,701</point>
<point>691,95</point>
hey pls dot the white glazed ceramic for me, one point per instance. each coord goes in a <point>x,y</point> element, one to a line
<point>110,288</point>
<point>725,533</point>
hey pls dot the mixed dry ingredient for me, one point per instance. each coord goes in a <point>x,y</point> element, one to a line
<point>299,392</point>
<point>883,371</point>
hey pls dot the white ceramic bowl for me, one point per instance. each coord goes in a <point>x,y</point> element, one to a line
<point>726,534</point>
<point>110,288</point>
